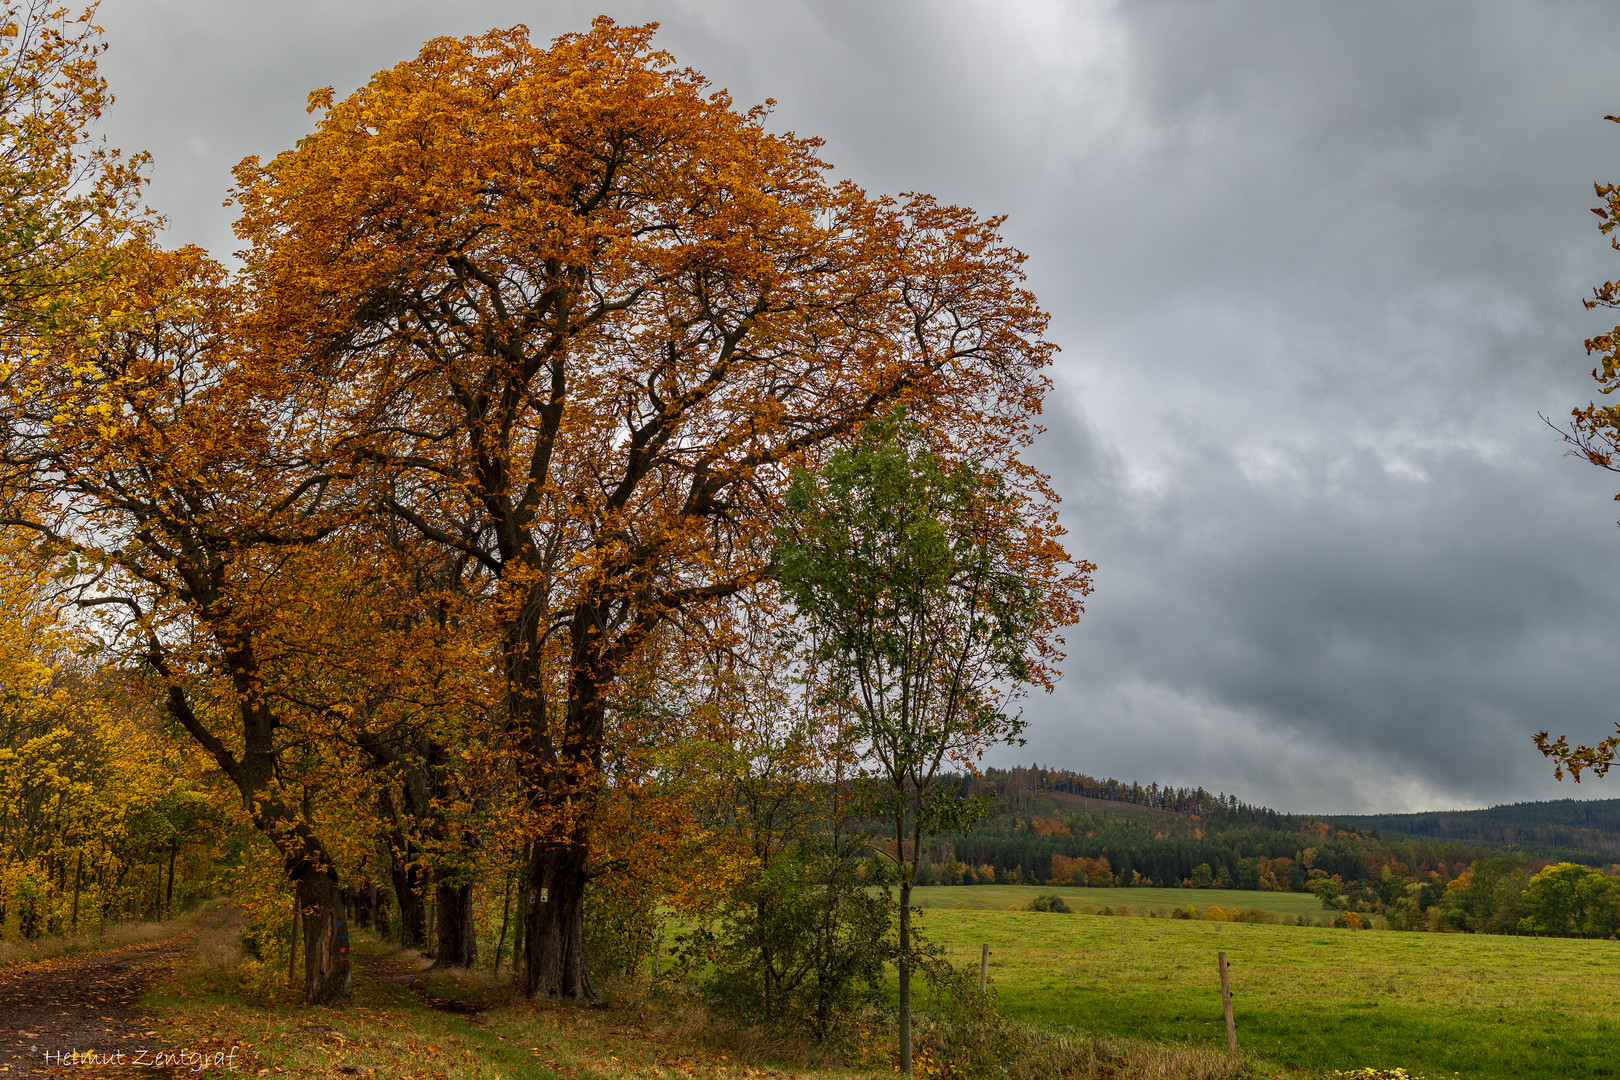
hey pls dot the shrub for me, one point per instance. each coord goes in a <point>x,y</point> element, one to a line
<point>621,926</point>
<point>961,1034</point>
<point>803,946</point>
<point>1051,902</point>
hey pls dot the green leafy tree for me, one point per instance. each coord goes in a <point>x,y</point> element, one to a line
<point>932,593</point>
<point>1566,899</point>
<point>1486,898</point>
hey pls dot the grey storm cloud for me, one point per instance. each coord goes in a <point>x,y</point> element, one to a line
<point>1315,271</point>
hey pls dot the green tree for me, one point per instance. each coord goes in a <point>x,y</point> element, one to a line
<point>932,596</point>
<point>1487,897</point>
<point>1567,899</point>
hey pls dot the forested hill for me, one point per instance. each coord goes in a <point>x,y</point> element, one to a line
<point>1056,826</point>
<point>1563,824</point>
<point>1020,784</point>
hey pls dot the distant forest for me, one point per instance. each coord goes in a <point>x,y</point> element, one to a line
<point>1590,826</point>
<point>1056,827</point>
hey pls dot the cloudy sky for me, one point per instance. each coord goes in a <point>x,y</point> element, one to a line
<point>1315,270</point>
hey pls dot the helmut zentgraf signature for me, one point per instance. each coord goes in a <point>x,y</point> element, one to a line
<point>192,1060</point>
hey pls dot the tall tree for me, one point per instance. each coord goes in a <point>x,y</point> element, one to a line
<point>933,595</point>
<point>581,316</point>
<point>140,445</point>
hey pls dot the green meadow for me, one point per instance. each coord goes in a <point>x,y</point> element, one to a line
<point>1140,901</point>
<point>1307,998</point>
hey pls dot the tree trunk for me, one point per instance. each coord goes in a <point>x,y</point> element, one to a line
<point>518,954</point>
<point>458,944</point>
<point>78,884</point>
<point>554,937</point>
<point>506,911</point>
<point>168,900</point>
<point>365,906</point>
<point>409,880</point>
<point>292,950</point>
<point>327,973</point>
<point>905,973</point>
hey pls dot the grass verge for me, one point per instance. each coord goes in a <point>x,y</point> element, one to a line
<point>15,954</point>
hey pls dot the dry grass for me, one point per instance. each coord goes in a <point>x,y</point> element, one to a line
<point>117,936</point>
<point>1117,1058</point>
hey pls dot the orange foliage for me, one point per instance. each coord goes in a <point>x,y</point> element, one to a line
<point>1081,871</point>
<point>1045,826</point>
<point>578,317</point>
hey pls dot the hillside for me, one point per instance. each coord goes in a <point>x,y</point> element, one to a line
<point>1049,826</point>
<point>1590,827</point>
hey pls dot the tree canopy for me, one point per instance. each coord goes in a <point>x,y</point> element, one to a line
<point>440,522</point>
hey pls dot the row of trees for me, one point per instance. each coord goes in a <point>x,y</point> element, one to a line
<point>1494,896</point>
<point>559,414</point>
<point>1019,787</point>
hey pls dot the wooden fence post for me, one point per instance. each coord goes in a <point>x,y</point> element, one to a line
<point>984,965</point>
<point>1226,1003</point>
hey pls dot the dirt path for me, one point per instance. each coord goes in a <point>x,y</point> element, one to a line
<point>410,976</point>
<point>86,1005</point>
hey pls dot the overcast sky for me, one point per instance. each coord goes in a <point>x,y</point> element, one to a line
<point>1314,268</point>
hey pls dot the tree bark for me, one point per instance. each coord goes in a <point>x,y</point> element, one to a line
<point>409,882</point>
<point>458,943</point>
<point>554,937</point>
<point>506,911</point>
<point>367,906</point>
<point>168,900</point>
<point>292,950</point>
<point>905,973</point>
<point>518,954</point>
<point>78,883</point>
<point>327,972</point>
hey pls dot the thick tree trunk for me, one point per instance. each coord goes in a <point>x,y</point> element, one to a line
<point>458,944</point>
<point>563,779</point>
<point>554,931</point>
<point>409,881</point>
<point>327,972</point>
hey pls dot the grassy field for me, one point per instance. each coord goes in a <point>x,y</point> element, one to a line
<point>1140,901</point>
<point>1306,997</point>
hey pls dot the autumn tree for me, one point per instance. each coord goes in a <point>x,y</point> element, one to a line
<point>932,593</point>
<point>395,662</point>
<point>140,446</point>
<point>1594,433</point>
<point>66,199</point>
<point>579,317</point>
<point>91,788</point>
